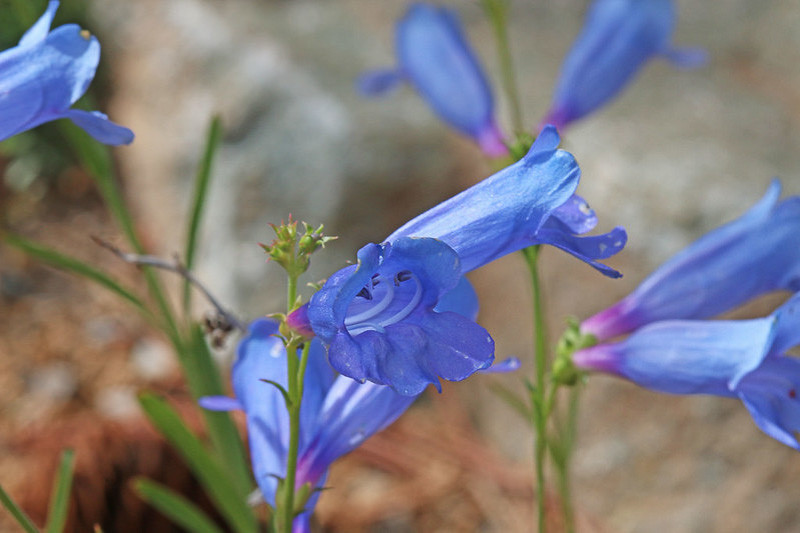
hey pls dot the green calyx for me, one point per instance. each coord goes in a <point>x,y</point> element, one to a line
<point>564,371</point>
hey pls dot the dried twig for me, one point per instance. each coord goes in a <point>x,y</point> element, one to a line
<point>177,267</point>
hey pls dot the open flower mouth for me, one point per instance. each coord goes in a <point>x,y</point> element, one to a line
<point>384,300</point>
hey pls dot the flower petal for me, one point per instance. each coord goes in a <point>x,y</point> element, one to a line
<point>378,82</point>
<point>617,39</point>
<point>351,414</point>
<point>262,356</point>
<point>770,393</point>
<point>575,216</point>
<point>98,126</point>
<point>502,213</point>
<point>462,300</point>
<point>41,27</point>
<point>587,249</point>
<point>685,356</point>
<point>716,273</point>
<point>436,58</point>
<point>220,403</point>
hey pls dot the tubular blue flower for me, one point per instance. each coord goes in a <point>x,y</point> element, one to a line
<point>336,416</point>
<point>618,38</point>
<point>45,74</point>
<point>435,57</point>
<point>744,359</point>
<point>383,319</point>
<point>757,253</point>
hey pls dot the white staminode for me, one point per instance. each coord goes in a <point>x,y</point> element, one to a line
<point>357,320</point>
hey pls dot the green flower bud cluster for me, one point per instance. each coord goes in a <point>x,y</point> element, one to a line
<point>292,249</point>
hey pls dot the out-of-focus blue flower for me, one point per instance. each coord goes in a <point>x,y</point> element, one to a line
<point>744,359</point>
<point>336,416</point>
<point>434,56</point>
<point>618,38</point>
<point>757,253</point>
<point>45,74</point>
<point>386,319</point>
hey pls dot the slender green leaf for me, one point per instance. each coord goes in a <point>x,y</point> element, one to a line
<point>19,515</point>
<point>175,507</point>
<point>59,497</point>
<point>217,481</point>
<point>201,183</point>
<point>76,266</point>
<point>205,380</point>
<point>513,400</point>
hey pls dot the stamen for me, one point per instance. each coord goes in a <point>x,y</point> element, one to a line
<point>373,310</point>
<point>365,293</point>
<point>361,328</point>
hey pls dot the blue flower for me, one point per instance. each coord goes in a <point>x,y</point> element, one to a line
<point>755,254</point>
<point>744,359</point>
<point>385,319</point>
<point>436,59</point>
<point>45,74</point>
<point>618,38</point>
<point>336,416</point>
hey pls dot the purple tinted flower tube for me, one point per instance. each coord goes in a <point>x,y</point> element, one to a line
<point>384,320</point>
<point>757,253</point>
<point>435,58</point>
<point>45,74</point>
<point>743,359</point>
<point>618,38</point>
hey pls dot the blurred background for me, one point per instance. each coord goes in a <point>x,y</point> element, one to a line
<point>677,154</point>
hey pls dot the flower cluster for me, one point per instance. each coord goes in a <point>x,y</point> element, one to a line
<point>673,350</point>
<point>618,38</point>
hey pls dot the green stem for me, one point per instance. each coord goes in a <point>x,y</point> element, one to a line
<point>287,511</point>
<point>296,369</point>
<point>497,11</point>
<point>542,403</point>
<point>565,486</point>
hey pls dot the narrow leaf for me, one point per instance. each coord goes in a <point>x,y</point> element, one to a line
<point>512,399</point>
<point>19,515</point>
<point>76,266</point>
<point>201,183</point>
<point>59,497</point>
<point>204,379</point>
<point>217,481</point>
<point>175,507</point>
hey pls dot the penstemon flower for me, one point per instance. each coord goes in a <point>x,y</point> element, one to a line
<point>618,38</point>
<point>743,358</point>
<point>336,416</point>
<point>757,253</point>
<point>382,319</point>
<point>434,56</point>
<point>45,74</point>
